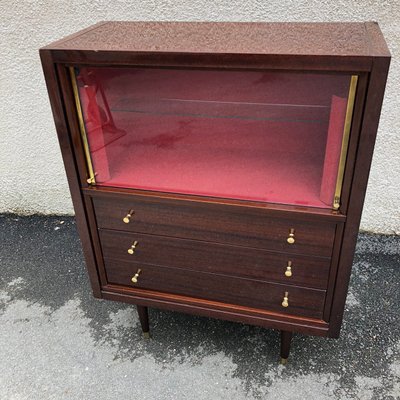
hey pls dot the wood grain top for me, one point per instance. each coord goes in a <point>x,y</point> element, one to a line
<point>325,39</point>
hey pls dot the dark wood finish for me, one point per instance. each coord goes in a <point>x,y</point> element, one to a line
<point>210,256</point>
<point>52,76</point>
<point>95,240</point>
<point>215,223</point>
<point>333,271</point>
<point>143,318</point>
<point>268,209</point>
<point>230,312</point>
<point>286,340</point>
<point>369,129</point>
<point>348,64</point>
<point>242,262</point>
<point>329,39</point>
<point>247,292</point>
<point>323,46</point>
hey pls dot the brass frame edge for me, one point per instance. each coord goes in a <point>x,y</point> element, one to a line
<point>91,180</point>
<point>345,141</point>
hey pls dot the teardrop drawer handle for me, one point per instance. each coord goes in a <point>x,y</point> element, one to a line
<point>285,302</point>
<point>136,276</point>
<point>132,249</point>
<point>288,271</point>
<point>128,217</point>
<point>290,239</point>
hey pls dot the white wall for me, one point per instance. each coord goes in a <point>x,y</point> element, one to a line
<point>32,178</point>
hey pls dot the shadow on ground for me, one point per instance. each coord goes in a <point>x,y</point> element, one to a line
<point>58,342</point>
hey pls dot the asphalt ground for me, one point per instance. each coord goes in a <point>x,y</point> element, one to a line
<point>58,342</point>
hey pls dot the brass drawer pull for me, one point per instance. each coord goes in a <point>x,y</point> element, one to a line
<point>128,216</point>
<point>136,276</point>
<point>290,239</point>
<point>132,249</point>
<point>288,271</point>
<point>285,302</point>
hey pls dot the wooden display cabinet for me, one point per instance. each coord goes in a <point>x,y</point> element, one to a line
<point>220,169</point>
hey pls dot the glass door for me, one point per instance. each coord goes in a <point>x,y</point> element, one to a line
<point>278,137</point>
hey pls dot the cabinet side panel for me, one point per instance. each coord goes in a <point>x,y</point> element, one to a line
<point>95,239</point>
<point>375,92</point>
<point>56,101</point>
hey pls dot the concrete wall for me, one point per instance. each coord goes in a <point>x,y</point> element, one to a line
<point>32,178</point>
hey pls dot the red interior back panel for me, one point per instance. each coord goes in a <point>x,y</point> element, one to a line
<point>263,136</point>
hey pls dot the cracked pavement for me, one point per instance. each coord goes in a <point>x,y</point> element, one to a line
<point>58,342</point>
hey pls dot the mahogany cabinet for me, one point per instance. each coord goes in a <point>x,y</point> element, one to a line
<point>220,169</point>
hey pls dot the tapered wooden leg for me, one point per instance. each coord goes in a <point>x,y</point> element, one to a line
<point>144,320</point>
<point>286,339</point>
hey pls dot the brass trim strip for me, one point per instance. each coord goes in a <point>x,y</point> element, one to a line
<point>345,141</point>
<point>91,180</point>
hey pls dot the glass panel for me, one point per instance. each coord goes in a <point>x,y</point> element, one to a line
<point>264,136</point>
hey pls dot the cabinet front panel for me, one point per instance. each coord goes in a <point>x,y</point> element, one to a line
<point>245,292</point>
<point>264,136</point>
<point>215,223</point>
<point>215,258</point>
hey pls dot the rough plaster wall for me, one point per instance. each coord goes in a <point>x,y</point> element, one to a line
<point>32,177</point>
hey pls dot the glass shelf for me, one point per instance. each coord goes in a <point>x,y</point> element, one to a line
<point>262,136</point>
<point>223,109</point>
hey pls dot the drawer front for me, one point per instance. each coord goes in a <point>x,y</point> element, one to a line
<point>242,292</point>
<point>236,225</point>
<point>216,258</point>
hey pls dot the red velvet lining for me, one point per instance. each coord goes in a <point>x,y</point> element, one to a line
<point>245,135</point>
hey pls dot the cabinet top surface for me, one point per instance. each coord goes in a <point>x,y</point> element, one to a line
<point>333,39</point>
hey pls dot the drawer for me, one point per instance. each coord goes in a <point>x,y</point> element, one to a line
<point>243,292</point>
<point>216,258</point>
<point>221,223</point>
